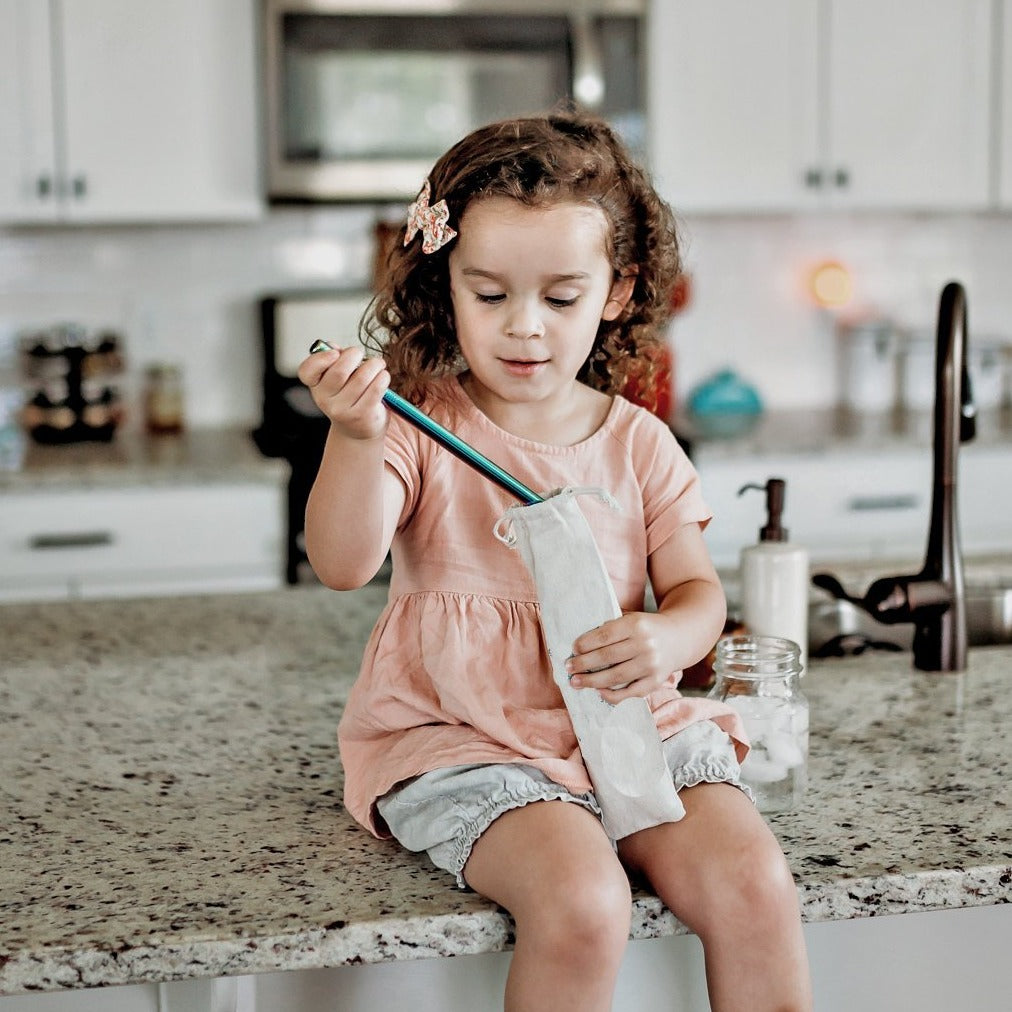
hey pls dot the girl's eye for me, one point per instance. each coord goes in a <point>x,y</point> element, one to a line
<point>491,300</point>
<point>561,303</point>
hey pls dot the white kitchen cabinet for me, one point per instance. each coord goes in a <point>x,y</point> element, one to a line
<point>128,111</point>
<point>27,142</point>
<point>234,994</point>
<point>856,505</point>
<point>1003,140</point>
<point>139,541</point>
<point>802,104</point>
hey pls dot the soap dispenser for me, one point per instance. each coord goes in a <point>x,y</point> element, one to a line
<point>774,576</point>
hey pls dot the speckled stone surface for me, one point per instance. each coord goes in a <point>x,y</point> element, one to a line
<point>835,430</point>
<point>170,796</point>
<point>197,456</point>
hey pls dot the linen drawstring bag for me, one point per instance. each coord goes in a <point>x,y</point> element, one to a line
<point>620,743</point>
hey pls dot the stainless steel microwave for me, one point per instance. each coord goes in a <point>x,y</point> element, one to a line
<point>362,97</point>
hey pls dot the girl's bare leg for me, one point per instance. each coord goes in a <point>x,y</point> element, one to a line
<point>552,867</point>
<point>722,873</point>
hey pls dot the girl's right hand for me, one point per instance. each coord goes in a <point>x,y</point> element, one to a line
<point>348,388</point>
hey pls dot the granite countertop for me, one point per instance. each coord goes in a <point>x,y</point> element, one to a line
<point>171,796</point>
<point>807,431</point>
<point>201,456</point>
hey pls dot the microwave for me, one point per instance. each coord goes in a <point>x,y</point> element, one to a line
<point>363,97</point>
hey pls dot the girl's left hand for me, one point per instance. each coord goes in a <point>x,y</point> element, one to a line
<point>627,656</point>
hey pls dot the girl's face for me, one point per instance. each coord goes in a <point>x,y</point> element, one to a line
<point>529,287</point>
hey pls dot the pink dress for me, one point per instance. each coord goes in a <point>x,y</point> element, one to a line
<point>455,671</point>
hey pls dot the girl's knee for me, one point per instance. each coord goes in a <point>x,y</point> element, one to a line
<point>585,919</point>
<point>754,888</point>
<point>768,881</point>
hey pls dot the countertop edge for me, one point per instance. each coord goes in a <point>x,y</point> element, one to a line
<point>376,941</point>
<point>460,934</point>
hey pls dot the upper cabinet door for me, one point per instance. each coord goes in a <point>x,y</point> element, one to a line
<point>160,109</point>
<point>908,102</point>
<point>733,103</point>
<point>795,104</point>
<point>1003,141</point>
<point>28,180</point>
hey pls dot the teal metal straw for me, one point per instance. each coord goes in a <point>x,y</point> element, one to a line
<point>468,454</point>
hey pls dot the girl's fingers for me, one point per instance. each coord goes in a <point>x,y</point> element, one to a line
<point>641,688</point>
<point>368,380</point>
<point>311,369</point>
<point>339,372</point>
<point>589,662</point>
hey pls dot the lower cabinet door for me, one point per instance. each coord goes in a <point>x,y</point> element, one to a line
<point>141,541</point>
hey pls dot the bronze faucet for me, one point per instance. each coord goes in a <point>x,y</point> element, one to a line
<point>934,599</point>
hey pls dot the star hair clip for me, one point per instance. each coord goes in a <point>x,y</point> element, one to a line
<point>432,222</point>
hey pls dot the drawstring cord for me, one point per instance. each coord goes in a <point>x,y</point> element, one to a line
<point>503,527</point>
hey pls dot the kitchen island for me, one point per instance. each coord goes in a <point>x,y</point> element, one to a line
<point>172,797</point>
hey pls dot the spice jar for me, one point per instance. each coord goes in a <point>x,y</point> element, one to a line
<point>759,676</point>
<point>163,399</point>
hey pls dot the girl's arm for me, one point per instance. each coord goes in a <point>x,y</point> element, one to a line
<point>640,650</point>
<point>356,500</point>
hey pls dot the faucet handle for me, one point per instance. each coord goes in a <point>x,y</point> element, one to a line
<point>893,599</point>
<point>885,600</point>
<point>829,582</point>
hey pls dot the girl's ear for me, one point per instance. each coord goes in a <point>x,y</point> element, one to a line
<point>621,293</point>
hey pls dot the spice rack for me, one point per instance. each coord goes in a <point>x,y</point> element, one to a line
<point>72,396</point>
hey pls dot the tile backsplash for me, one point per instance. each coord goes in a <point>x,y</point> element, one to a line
<point>189,294</point>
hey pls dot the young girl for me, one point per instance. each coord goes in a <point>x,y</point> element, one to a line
<point>533,279</point>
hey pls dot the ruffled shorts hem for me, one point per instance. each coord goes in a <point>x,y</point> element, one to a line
<point>445,811</point>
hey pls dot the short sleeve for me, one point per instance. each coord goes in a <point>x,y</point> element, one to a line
<point>672,496</point>
<point>402,453</point>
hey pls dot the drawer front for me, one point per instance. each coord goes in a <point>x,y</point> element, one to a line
<point>859,506</point>
<point>143,540</point>
<point>836,507</point>
<point>985,494</point>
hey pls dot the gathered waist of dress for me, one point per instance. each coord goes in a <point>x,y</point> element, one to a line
<point>460,584</point>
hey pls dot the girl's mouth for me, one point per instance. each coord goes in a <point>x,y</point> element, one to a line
<point>522,367</point>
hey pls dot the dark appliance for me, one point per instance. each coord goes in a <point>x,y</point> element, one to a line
<point>292,427</point>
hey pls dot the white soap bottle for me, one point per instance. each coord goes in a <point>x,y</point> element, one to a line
<point>774,577</point>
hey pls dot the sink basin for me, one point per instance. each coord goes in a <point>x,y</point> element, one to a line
<point>988,615</point>
<point>838,627</point>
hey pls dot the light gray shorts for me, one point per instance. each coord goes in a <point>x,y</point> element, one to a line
<point>445,811</point>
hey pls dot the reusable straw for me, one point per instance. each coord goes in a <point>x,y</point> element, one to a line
<point>468,454</point>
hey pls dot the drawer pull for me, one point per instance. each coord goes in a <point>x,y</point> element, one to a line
<point>866,503</point>
<point>73,539</point>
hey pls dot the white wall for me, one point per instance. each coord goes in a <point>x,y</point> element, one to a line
<point>751,309</point>
<point>189,293</point>
<point>185,294</point>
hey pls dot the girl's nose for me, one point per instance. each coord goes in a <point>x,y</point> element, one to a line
<point>525,321</point>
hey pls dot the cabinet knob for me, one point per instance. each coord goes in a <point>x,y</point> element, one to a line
<point>813,178</point>
<point>842,178</point>
<point>79,186</point>
<point>44,186</point>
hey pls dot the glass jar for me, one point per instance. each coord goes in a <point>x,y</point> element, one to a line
<point>759,676</point>
<point>163,399</point>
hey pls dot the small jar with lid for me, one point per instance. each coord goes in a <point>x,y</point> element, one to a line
<point>759,676</point>
<point>163,399</point>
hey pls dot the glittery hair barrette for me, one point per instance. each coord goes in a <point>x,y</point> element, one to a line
<point>432,222</point>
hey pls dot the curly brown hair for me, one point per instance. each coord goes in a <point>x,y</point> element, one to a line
<point>538,161</point>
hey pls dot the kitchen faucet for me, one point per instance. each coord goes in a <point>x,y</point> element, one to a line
<point>934,599</point>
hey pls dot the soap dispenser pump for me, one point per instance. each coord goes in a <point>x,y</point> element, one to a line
<point>774,576</point>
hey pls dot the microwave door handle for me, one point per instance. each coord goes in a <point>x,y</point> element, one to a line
<point>588,69</point>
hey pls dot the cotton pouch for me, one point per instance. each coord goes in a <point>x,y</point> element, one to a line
<point>620,743</point>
